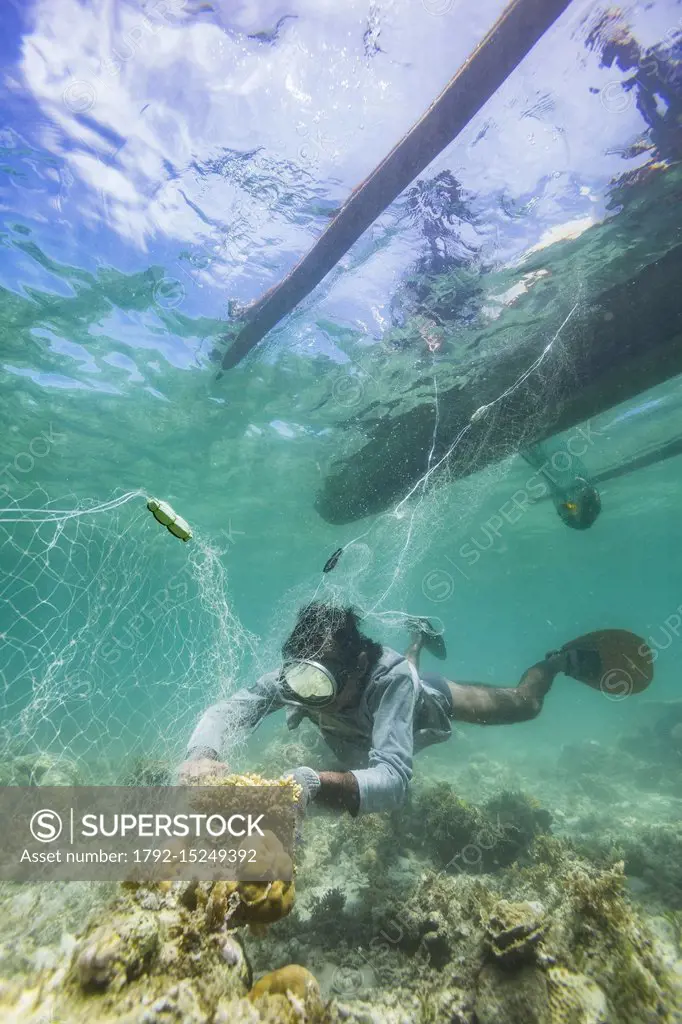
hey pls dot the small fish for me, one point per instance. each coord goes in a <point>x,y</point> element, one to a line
<point>332,560</point>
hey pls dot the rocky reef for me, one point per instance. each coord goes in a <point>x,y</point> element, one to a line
<point>39,769</point>
<point>156,954</point>
<point>171,951</point>
<point>551,940</point>
<point>449,912</point>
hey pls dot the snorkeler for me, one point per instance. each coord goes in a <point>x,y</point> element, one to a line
<point>374,709</point>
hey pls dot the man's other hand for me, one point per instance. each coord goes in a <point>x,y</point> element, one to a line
<point>193,773</point>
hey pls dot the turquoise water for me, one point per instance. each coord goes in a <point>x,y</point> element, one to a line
<point>159,165</point>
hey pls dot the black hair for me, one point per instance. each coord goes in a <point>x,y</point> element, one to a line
<point>323,627</point>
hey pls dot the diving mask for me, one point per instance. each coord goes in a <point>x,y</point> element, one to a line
<point>308,682</point>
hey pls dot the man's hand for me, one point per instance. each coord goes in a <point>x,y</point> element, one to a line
<point>193,773</point>
<point>335,790</point>
<point>309,781</point>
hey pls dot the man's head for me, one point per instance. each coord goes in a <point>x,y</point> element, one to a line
<point>329,635</point>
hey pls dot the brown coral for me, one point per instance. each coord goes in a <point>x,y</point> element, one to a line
<point>289,995</point>
<point>239,903</point>
<point>292,978</point>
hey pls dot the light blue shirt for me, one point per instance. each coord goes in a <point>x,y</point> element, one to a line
<point>396,714</point>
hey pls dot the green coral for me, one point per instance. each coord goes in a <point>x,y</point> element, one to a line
<point>597,897</point>
<point>596,931</point>
<point>359,836</point>
<point>462,837</point>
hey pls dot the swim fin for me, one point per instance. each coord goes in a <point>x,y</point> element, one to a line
<point>615,661</point>
<point>433,641</point>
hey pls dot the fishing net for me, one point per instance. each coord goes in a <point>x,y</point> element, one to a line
<point>114,633</point>
<point>414,558</point>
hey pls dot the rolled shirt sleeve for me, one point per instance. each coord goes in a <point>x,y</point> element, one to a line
<point>239,714</point>
<point>383,785</point>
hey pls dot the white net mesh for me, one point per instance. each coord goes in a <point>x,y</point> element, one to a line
<point>115,634</point>
<point>373,570</point>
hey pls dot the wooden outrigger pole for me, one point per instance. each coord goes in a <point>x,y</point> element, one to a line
<point>518,29</point>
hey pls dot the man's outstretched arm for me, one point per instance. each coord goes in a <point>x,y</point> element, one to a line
<point>233,718</point>
<point>501,705</point>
